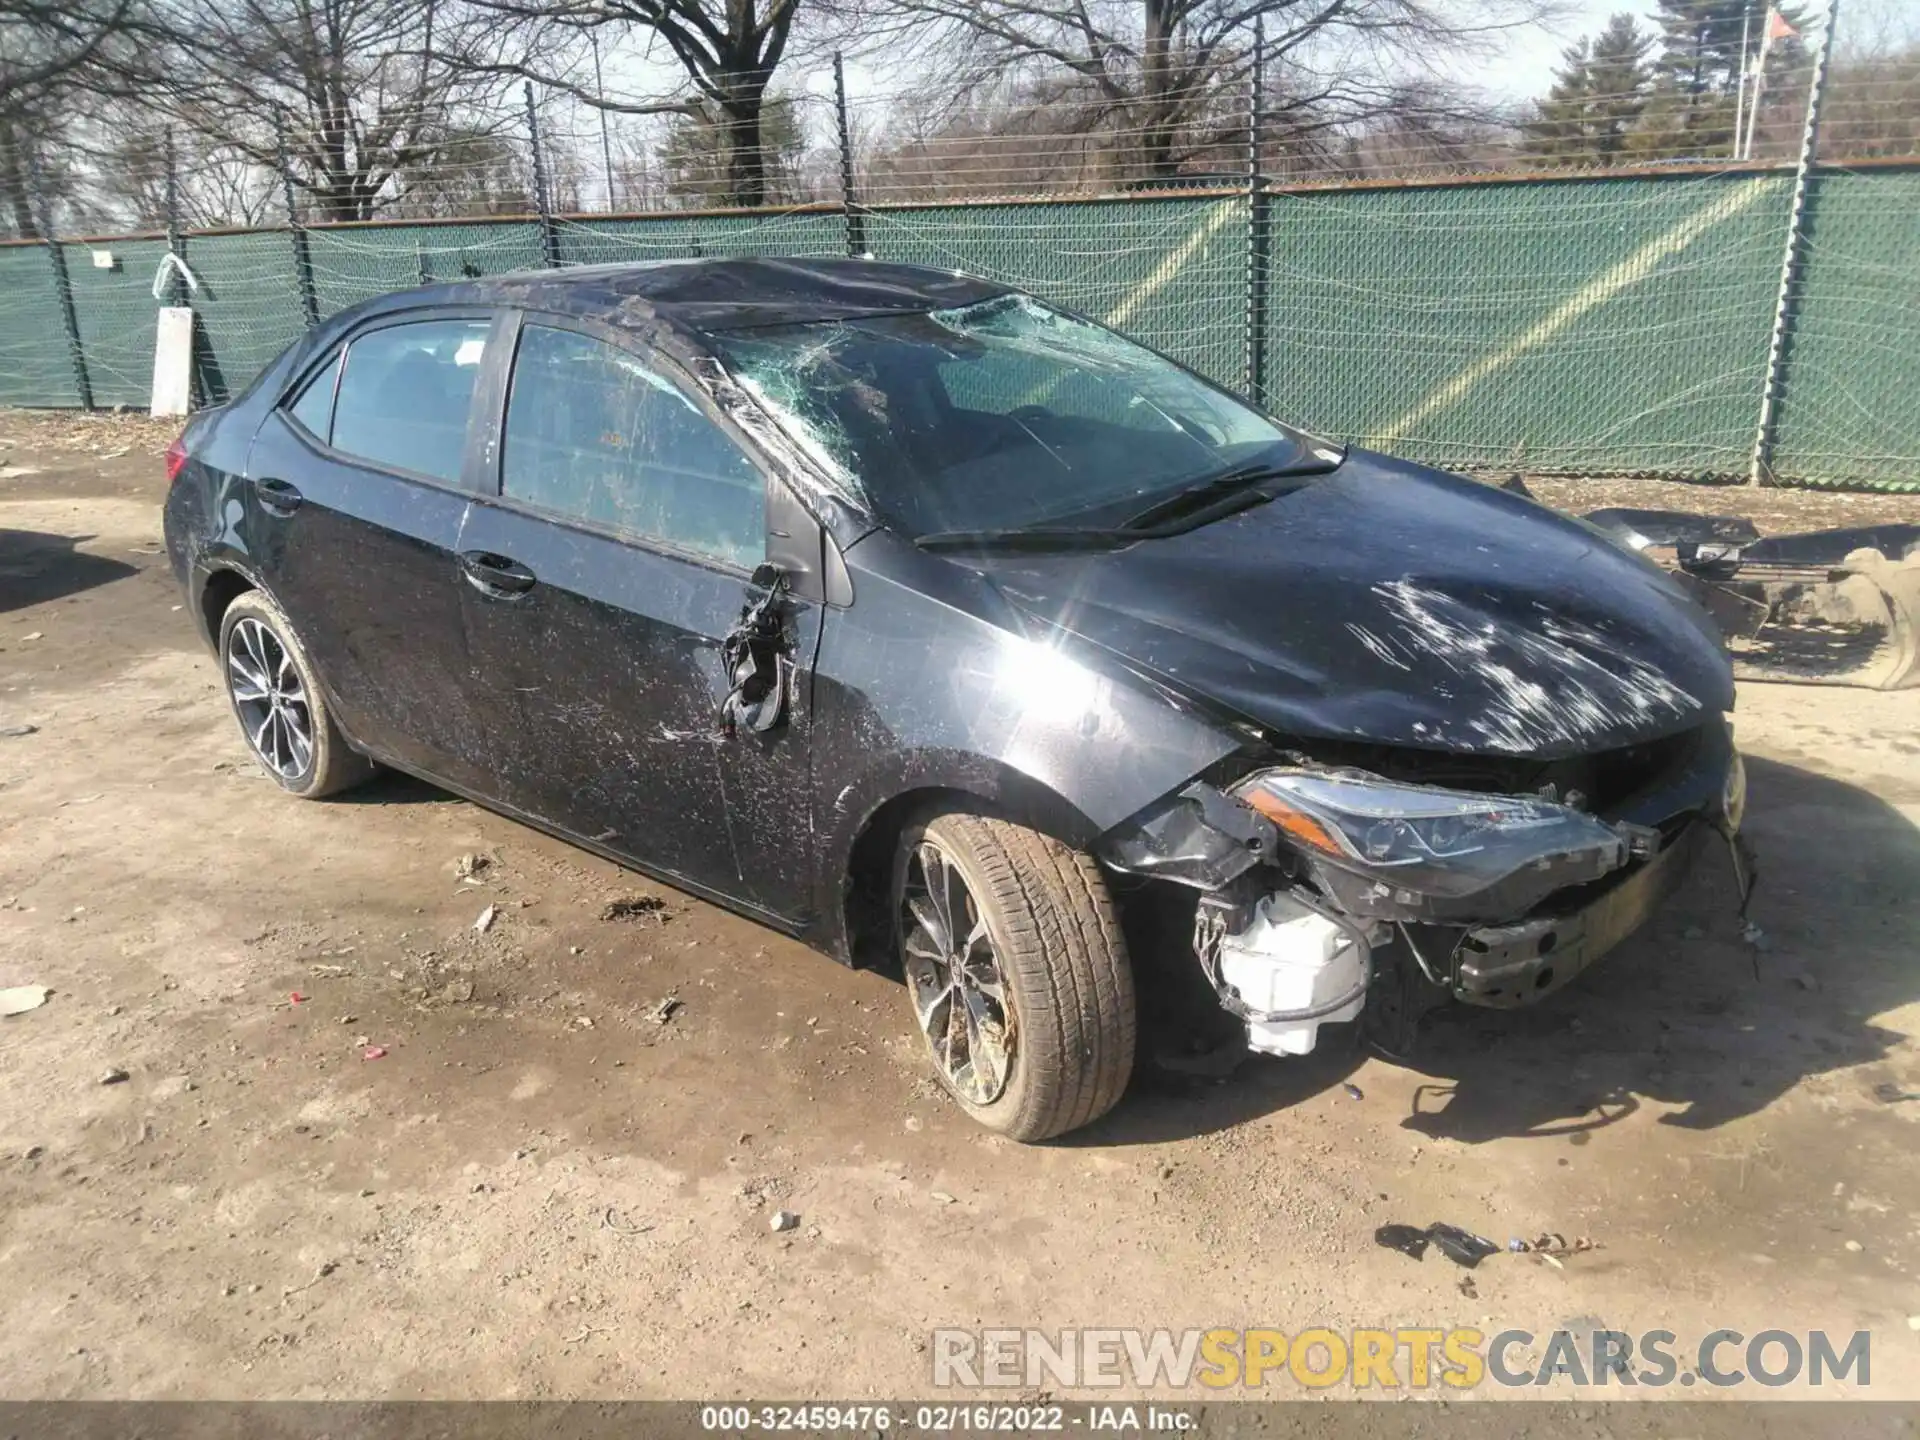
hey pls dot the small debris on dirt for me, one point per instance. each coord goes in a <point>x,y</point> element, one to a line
<point>1465,1286</point>
<point>1913,1321</point>
<point>21,998</point>
<point>635,907</point>
<point>472,867</point>
<point>374,1052</point>
<point>913,1122</point>
<point>1463,1247</point>
<point>610,1219</point>
<point>1354,1092</point>
<point>1806,982</point>
<point>115,1076</point>
<point>1551,1244</point>
<point>1855,1246</point>
<point>294,997</point>
<point>1887,1093</point>
<point>783,1220</point>
<point>665,1010</point>
<point>1409,1240</point>
<point>34,1152</point>
<point>585,1022</point>
<point>31,635</point>
<point>485,922</point>
<point>18,732</point>
<point>1756,937</point>
<point>941,1197</point>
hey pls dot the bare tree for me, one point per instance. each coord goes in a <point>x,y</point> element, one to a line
<point>1164,73</point>
<point>728,51</point>
<point>46,44</point>
<point>378,101</point>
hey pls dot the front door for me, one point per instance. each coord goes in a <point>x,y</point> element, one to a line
<point>357,497</point>
<point>601,586</point>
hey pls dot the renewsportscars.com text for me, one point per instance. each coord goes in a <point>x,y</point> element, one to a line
<point>1411,1358</point>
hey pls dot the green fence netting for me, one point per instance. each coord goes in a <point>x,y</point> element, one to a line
<point>1606,325</point>
<point>1850,403</point>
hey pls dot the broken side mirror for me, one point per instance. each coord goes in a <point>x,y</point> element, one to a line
<point>758,656</point>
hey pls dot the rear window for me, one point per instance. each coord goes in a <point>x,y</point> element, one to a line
<point>405,395</point>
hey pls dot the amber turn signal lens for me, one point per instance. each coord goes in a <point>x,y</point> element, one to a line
<point>1295,823</point>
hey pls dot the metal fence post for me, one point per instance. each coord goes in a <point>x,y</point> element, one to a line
<point>549,237</point>
<point>302,259</point>
<point>1258,204</point>
<point>1770,394</point>
<point>62,283</point>
<point>849,202</point>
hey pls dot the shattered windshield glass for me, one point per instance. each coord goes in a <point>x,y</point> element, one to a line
<point>996,416</point>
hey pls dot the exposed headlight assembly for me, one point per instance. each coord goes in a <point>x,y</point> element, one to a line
<point>1387,848</point>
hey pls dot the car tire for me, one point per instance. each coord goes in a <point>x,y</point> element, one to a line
<point>276,698</point>
<point>1059,1025</point>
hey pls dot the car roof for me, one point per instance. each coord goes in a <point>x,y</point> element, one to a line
<point>713,294</point>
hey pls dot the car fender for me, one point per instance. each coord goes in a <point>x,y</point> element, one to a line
<point>915,695</point>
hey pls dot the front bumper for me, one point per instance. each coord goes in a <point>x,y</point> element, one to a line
<point>1506,966</point>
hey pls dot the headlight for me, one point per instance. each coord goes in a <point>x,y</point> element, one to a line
<point>1423,839</point>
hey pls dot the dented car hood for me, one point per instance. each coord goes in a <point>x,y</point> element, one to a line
<point>1398,605</point>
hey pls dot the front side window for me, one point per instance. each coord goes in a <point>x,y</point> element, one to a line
<point>1000,415</point>
<point>405,394</point>
<point>594,434</point>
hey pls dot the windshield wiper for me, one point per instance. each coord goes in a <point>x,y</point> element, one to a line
<point>1210,499</point>
<point>1236,486</point>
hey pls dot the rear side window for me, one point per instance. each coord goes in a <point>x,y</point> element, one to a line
<point>405,393</point>
<point>314,407</point>
<point>594,433</point>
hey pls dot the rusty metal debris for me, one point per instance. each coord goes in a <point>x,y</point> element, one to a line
<point>1828,607</point>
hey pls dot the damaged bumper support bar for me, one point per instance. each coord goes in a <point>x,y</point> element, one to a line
<point>1310,876</point>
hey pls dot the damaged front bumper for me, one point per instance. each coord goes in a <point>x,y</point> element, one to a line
<point>1315,879</point>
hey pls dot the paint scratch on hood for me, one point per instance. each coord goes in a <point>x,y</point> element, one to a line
<point>1556,683</point>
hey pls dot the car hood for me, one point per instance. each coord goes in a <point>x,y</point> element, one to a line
<point>1399,605</point>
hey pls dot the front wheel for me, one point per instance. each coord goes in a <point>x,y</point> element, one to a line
<point>1017,973</point>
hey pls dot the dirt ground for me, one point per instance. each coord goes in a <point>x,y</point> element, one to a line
<point>541,1190</point>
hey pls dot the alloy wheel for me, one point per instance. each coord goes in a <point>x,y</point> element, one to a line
<point>270,699</point>
<point>954,975</point>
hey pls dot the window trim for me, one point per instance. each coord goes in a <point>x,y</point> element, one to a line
<point>471,476</point>
<point>297,392</point>
<point>492,483</point>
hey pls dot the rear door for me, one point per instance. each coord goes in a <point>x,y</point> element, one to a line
<point>603,583</point>
<point>359,485</point>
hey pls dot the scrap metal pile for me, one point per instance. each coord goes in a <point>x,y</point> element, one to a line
<point>1829,607</point>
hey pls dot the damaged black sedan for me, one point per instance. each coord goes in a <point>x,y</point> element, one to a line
<point>942,628</point>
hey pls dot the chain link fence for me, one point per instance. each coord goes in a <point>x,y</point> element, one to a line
<point>1484,308</point>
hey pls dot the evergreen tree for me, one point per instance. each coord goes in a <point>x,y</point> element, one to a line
<point>1598,96</point>
<point>1698,72</point>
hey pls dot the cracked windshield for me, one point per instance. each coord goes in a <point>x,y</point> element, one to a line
<point>996,416</point>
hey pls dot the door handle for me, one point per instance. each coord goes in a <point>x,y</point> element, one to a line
<point>277,497</point>
<point>495,575</point>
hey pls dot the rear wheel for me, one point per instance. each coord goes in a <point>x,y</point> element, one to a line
<point>1017,973</point>
<point>276,698</point>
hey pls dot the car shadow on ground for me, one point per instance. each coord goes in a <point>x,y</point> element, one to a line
<point>36,567</point>
<point>1687,1014</point>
